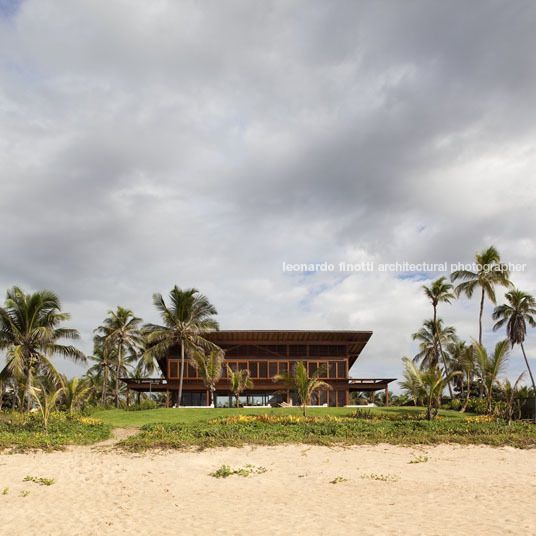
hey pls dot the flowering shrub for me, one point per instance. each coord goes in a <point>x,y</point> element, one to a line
<point>480,418</point>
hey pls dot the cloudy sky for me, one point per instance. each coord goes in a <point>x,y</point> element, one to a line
<point>205,143</point>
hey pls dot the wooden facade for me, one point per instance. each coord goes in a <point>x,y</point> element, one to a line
<point>265,354</point>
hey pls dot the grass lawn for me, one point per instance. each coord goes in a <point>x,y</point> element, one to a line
<point>136,419</point>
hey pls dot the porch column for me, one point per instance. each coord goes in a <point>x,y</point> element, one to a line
<point>208,398</point>
<point>387,396</point>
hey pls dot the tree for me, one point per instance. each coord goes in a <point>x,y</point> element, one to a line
<point>186,320</point>
<point>120,331</point>
<point>30,334</point>
<point>516,314</point>
<point>428,336</point>
<point>302,384</point>
<point>240,381</point>
<point>411,385</point>
<point>491,365</point>
<point>75,392</point>
<point>463,357</point>
<point>104,359</point>
<point>490,272</point>
<point>509,391</point>
<point>45,402</point>
<point>210,367</point>
<point>439,292</point>
<point>429,384</point>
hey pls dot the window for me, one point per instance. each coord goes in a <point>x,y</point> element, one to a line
<point>323,397</point>
<point>242,366</point>
<point>272,368</point>
<point>332,399</point>
<point>325,373</point>
<point>254,369</point>
<point>263,369</point>
<point>191,372</point>
<point>173,369</point>
<point>283,367</point>
<point>233,366</point>
<point>341,398</point>
<point>312,368</point>
<point>332,369</point>
<point>341,369</point>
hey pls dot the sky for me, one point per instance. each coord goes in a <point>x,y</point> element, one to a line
<point>206,143</point>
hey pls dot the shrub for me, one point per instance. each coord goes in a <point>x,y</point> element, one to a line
<point>142,406</point>
<point>478,405</point>
<point>455,404</point>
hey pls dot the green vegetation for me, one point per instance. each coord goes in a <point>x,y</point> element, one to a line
<point>210,368</point>
<point>239,381</point>
<point>338,480</point>
<point>226,470</point>
<point>383,478</point>
<point>25,493</point>
<point>22,431</point>
<point>277,428</point>
<point>5,491</point>
<point>39,480</point>
<point>419,459</point>
<point>303,385</point>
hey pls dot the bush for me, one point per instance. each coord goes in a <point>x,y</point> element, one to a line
<point>478,406</point>
<point>146,404</point>
<point>455,404</point>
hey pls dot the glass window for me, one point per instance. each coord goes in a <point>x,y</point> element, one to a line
<point>253,369</point>
<point>293,366</point>
<point>232,366</point>
<point>191,372</point>
<point>242,365</point>
<point>332,399</point>
<point>263,369</point>
<point>332,369</point>
<point>341,398</point>
<point>325,373</point>
<point>312,368</point>
<point>173,369</point>
<point>272,368</point>
<point>283,367</point>
<point>341,369</point>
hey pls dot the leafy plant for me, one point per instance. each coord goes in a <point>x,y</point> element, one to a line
<point>384,478</point>
<point>302,384</point>
<point>209,365</point>
<point>338,480</point>
<point>419,459</point>
<point>240,381</point>
<point>45,402</point>
<point>226,470</point>
<point>4,491</point>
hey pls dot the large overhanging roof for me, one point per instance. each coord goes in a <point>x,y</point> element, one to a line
<point>356,340</point>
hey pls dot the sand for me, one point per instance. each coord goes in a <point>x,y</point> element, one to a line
<point>100,491</point>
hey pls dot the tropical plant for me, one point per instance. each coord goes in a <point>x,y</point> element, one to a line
<point>430,384</point>
<point>120,331</point>
<point>30,334</point>
<point>429,336</point>
<point>186,320</point>
<point>45,402</point>
<point>410,385</point>
<point>490,366</point>
<point>464,358</point>
<point>210,368</point>
<point>439,292</point>
<point>509,391</point>
<point>75,392</point>
<point>516,314</point>
<point>104,359</point>
<point>240,381</point>
<point>489,273</point>
<point>303,385</point>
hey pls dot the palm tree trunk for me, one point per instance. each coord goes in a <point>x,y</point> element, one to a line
<point>104,385</point>
<point>27,391</point>
<point>182,373</point>
<point>438,342</point>
<point>237,396</point>
<point>117,376</point>
<point>531,378</point>
<point>138,396</point>
<point>467,395</point>
<point>480,318</point>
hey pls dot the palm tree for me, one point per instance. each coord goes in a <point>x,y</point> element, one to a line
<point>240,381</point>
<point>430,384</point>
<point>491,365</point>
<point>29,332</point>
<point>186,320</point>
<point>210,368</point>
<point>490,272</point>
<point>76,392</point>
<point>429,335</point>
<point>463,357</point>
<point>121,332</point>
<point>520,310</point>
<point>104,359</point>
<point>45,402</point>
<point>439,292</point>
<point>509,391</point>
<point>302,384</point>
<point>410,385</point>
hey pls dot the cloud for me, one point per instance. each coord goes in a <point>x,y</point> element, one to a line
<point>204,144</point>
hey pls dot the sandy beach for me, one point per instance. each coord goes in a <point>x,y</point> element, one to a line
<point>101,491</point>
